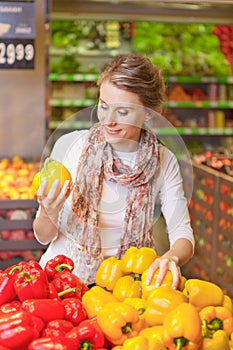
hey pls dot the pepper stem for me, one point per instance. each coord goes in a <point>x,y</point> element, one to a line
<point>62,267</point>
<point>127,328</point>
<point>215,324</point>
<point>206,333</point>
<point>86,345</point>
<point>66,291</point>
<point>180,342</point>
<point>17,267</point>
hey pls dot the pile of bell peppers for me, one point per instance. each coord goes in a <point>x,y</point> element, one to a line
<point>51,308</point>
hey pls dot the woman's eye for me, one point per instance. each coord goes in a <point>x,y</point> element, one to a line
<point>103,106</point>
<point>122,112</point>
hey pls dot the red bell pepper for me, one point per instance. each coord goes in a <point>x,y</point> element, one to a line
<point>67,280</point>
<point>38,323</point>
<point>53,343</point>
<point>89,334</point>
<point>46,309</point>
<point>26,265</point>
<point>17,330</point>
<point>14,305</point>
<point>57,328</point>
<point>7,291</point>
<point>4,348</point>
<point>85,288</point>
<point>52,292</point>
<point>74,310</point>
<point>30,264</point>
<point>31,284</point>
<point>58,264</point>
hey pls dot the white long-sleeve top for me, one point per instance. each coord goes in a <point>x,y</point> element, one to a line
<point>171,200</point>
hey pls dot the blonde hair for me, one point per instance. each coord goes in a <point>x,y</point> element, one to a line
<point>137,74</point>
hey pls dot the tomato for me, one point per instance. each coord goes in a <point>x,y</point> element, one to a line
<point>52,170</point>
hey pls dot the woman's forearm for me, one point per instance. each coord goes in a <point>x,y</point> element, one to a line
<point>182,250</point>
<point>44,228</point>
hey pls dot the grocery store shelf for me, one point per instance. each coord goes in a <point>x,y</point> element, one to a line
<point>72,102</point>
<point>70,124</point>
<point>73,77</point>
<point>165,11</point>
<point>67,124</point>
<point>171,79</point>
<point>199,104</point>
<point>170,104</point>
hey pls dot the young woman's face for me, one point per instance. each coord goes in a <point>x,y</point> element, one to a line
<point>121,114</point>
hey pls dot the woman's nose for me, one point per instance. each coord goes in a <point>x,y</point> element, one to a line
<point>109,117</point>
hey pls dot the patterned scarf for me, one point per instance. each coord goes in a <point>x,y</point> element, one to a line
<point>97,162</point>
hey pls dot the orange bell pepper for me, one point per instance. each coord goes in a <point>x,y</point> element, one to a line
<point>137,260</point>
<point>109,271</point>
<point>219,340</point>
<point>126,287</point>
<point>167,282</point>
<point>182,328</point>
<point>160,302</point>
<point>119,321</point>
<point>94,299</point>
<point>217,317</point>
<point>203,293</point>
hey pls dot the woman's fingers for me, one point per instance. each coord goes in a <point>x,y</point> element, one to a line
<point>164,264</point>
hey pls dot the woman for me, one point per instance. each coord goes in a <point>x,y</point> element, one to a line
<point>120,173</point>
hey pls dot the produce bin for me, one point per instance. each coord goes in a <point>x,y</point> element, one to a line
<point>211,213</point>
<point>17,241</point>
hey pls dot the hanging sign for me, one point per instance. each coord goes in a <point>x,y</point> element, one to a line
<point>17,35</point>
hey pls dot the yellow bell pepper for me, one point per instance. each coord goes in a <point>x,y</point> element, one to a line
<point>217,317</point>
<point>160,302</point>
<point>138,303</point>
<point>218,341</point>
<point>136,343</point>
<point>95,298</point>
<point>109,271</point>
<point>182,328</point>
<point>119,321</point>
<point>231,341</point>
<point>155,336</point>
<point>167,282</point>
<point>203,293</point>
<point>136,260</point>
<point>127,287</point>
<point>227,303</point>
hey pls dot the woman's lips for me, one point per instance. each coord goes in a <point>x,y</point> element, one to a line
<point>112,131</point>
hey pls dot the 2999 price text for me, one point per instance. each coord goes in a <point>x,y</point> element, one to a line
<point>17,54</point>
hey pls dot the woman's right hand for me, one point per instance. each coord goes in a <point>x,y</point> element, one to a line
<point>52,203</point>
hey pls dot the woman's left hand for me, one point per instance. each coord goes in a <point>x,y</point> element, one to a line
<point>164,264</point>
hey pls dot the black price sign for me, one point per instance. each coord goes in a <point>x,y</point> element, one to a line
<point>17,34</point>
<point>17,53</point>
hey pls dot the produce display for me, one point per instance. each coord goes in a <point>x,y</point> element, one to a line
<point>51,308</point>
<point>16,176</point>
<point>225,36</point>
<point>182,49</point>
<point>212,220</point>
<point>218,160</point>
